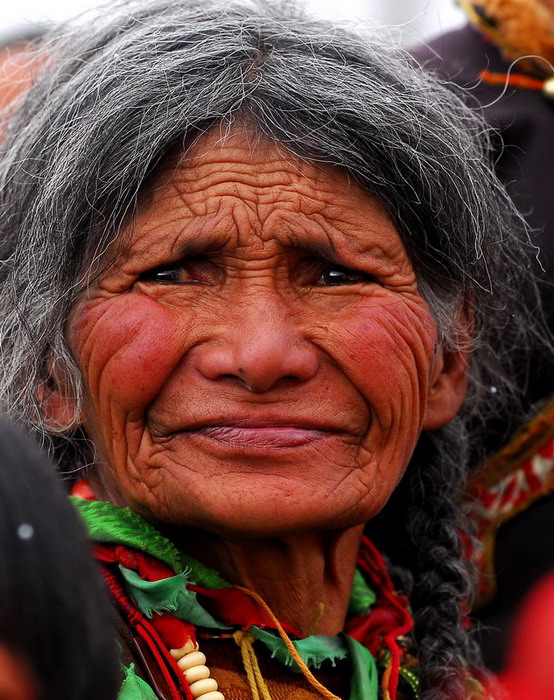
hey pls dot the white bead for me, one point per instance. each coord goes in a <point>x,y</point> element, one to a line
<point>179,653</point>
<point>201,688</point>
<point>196,673</point>
<point>195,658</point>
<point>214,695</point>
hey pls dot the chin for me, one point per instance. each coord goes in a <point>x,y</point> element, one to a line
<point>260,517</point>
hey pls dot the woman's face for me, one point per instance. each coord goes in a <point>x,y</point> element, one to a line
<point>259,359</point>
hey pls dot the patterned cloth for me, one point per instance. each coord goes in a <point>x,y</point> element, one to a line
<point>508,484</point>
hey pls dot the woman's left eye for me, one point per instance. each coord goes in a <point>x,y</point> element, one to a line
<point>336,275</point>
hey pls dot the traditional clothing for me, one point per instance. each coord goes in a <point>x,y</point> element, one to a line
<point>165,598</point>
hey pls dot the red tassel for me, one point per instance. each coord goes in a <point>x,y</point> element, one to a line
<point>175,633</point>
<point>389,620</point>
<point>166,664</point>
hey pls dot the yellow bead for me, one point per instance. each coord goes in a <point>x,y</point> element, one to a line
<point>179,653</point>
<point>203,687</point>
<point>214,695</point>
<point>196,673</point>
<point>190,646</point>
<point>195,658</point>
<point>548,88</point>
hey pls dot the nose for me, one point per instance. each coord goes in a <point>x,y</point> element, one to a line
<point>259,346</point>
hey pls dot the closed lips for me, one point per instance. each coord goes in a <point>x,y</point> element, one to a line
<point>264,435</point>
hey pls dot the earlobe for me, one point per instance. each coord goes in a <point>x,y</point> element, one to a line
<point>56,398</point>
<point>447,389</point>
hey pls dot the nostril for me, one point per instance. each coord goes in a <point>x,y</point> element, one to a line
<point>258,362</point>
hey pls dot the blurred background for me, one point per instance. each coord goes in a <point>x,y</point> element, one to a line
<point>407,21</point>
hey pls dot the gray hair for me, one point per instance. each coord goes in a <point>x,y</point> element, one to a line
<point>147,79</point>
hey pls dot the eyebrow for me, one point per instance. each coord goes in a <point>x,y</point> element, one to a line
<point>198,246</point>
<point>312,246</point>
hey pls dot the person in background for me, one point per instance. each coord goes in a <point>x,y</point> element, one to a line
<point>56,625</point>
<point>17,64</point>
<point>504,59</point>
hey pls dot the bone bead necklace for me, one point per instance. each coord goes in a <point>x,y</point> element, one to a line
<point>192,663</point>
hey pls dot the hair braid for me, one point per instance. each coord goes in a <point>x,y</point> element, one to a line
<point>426,552</point>
<point>442,582</point>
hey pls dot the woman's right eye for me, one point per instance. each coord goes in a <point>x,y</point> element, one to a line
<point>190,271</point>
<point>165,274</point>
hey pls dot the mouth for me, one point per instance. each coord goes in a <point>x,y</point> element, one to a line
<point>255,434</point>
<point>277,437</point>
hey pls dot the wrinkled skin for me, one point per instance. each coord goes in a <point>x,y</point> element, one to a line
<point>259,358</point>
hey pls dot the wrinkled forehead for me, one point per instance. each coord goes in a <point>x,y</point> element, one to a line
<point>243,185</point>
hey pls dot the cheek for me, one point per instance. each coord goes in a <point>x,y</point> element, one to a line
<point>388,348</point>
<point>387,353</point>
<point>126,348</point>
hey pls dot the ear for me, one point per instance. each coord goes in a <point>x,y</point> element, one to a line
<point>447,388</point>
<point>56,398</point>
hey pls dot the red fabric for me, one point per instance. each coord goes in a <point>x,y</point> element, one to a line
<point>82,489</point>
<point>227,604</point>
<point>389,618</point>
<point>174,632</point>
<point>174,679</point>
<point>235,608</point>
<point>529,674</point>
<point>370,630</point>
<point>147,567</point>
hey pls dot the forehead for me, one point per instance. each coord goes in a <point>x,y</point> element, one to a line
<point>245,188</point>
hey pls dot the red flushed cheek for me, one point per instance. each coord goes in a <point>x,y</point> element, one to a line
<point>127,347</point>
<point>387,353</point>
<point>387,340</point>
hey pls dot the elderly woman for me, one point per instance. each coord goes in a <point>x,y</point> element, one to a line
<point>246,257</point>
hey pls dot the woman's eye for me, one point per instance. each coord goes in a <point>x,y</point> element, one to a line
<point>166,274</point>
<point>337,275</point>
<point>183,272</point>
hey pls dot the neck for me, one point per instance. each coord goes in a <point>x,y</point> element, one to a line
<point>305,579</point>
